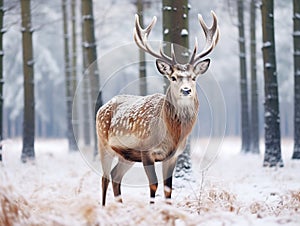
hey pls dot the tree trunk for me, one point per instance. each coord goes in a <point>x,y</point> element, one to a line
<point>142,55</point>
<point>254,91</point>
<point>90,52</point>
<point>243,80</point>
<point>86,92</point>
<point>1,75</point>
<point>75,120</point>
<point>175,30</point>
<point>28,63</point>
<point>272,156</point>
<point>90,60</point>
<point>69,88</point>
<point>296,35</point>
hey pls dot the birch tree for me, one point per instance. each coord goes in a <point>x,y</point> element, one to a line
<point>272,157</point>
<point>296,36</point>
<point>243,80</point>
<point>254,128</point>
<point>28,152</point>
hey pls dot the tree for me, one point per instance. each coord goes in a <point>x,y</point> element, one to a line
<point>272,157</point>
<point>28,152</point>
<point>1,75</point>
<point>254,128</point>
<point>243,80</point>
<point>296,36</point>
<point>74,67</point>
<point>175,30</point>
<point>68,79</point>
<point>142,55</point>
<point>90,59</point>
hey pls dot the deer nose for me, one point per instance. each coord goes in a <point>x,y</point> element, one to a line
<point>186,91</point>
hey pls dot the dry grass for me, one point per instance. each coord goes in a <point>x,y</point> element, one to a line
<point>277,205</point>
<point>64,191</point>
<point>84,210</point>
<point>13,207</point>
<point>210,200</point>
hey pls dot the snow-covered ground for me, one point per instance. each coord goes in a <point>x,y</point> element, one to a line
<point>60,189</point>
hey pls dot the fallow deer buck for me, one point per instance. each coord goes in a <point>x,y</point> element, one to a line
<point>153,128</point>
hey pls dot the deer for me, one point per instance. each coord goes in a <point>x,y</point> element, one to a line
<point>153,128</point>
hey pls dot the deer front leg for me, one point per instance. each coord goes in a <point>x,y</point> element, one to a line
<point>148,164</point>
<point>168,168</point>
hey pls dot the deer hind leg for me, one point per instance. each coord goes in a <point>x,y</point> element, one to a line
<point>117,175</point>
<point>168,168</point>
<point>148,164</point>
<point>106,161</point>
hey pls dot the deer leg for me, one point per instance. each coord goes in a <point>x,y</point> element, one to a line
<point>105,182</point>
<point>106,161</point>
<point>117,174</point>
<point>168,168</point>
<point>148,164</point>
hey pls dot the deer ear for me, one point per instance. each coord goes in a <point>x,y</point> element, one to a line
<point>164,68</point>
<point>201,67</point>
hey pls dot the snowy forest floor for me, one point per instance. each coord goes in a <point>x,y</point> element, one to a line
<point>60,189</point>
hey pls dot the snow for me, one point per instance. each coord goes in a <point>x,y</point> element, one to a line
<point>296,33</point>
<point>88,45</point>
<point>184,32</point>
<point>60,189</point>
<point>267,44</point>
<point>87,17</point>
<point>297,52</point>
<point>30,62</point>
<point>168,8</point>
<point>3,30</point>
<point>268,65</point>
<point>268,114</point>
<point>297,15</point>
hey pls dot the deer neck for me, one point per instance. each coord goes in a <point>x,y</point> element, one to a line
<point>184,113</point>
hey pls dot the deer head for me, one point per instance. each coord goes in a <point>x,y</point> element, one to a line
<point>182,77</point>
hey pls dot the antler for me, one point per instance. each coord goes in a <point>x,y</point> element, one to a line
<point>212,38</point>
<point>141,39</point>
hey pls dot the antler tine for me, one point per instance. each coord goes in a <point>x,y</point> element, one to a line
<point>140,35</point>
<point>141,39</point>
<point>164,56</point>
<point>174,61</point>
<point>194,51</point>
<point>211,35</point>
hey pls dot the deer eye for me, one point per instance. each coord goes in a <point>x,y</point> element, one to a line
<point>173,78</point>
<point>194,78</point>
